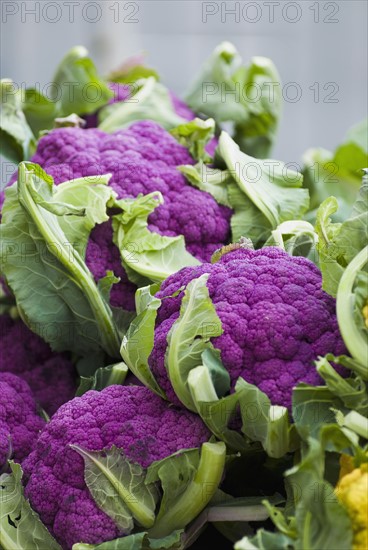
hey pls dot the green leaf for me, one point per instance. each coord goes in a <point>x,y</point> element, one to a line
<point>312,408</point>
<point>249,97</point>
<point>339,243</point>
<point>130,74</point>
<point>174,473</point>
<point>76,80</point>
<point>263,422</point>
<point>262,98</point>
<point>17,140</point>
<point>147,256</point>
<point>296,237</point>
<point>265,540</point>
<point>209,179</point>
<point>352,391</point>
<point>331,257</point>
<point>139,541</point>
<point>211,359</point>
<point>51,270</point>
<point>338,173</point>
<point>118,488</point>
<point>103,377</point>
<point>190,336</point>
<point>274,190</point>
<point>321,521</point>
<point>195,135</point>
<point>151,101</point>
<point>187,505</point>
<point>39,110</point>
<point>216,413</point>
<point>247,220</point>
<point>355,334</point>
<point>137,343</point>
<point>20,526</point>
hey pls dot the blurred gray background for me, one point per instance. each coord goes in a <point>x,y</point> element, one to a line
<point>321,46</point>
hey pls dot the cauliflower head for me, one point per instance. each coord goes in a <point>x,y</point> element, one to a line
<point>276,320</point>
<point>131,418</point>
<point>19,421</point>
<point>142,159</point>
<point>51,376</point>
<point>352,492</point>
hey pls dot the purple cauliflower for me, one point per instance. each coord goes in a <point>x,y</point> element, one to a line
<point>133,419</point>
<point>276,320</point>
<point>142,159</point>
<point>19,421</point>
<point>50,375</point>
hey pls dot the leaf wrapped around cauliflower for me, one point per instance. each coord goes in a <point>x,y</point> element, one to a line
<point>93,475</point>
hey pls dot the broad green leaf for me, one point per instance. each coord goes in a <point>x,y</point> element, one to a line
<point>352,391</point>
<point>137,343</point>
<point>352,156</point>
<point>40,111</point>
<point>247,96</point>
<point>269,185</point>
<point>130,72</point>
<point>195,135</point>
<point>17,139</point>
<point>339,243</point>
<point>247,221</point>
<point>355,334</point>
<point>216,413</point>
<point>296,237</point>
<point>265,540</point>
<point>312,408</point>
<point>263,422</point>
<point>211,359</point>
<point>151,101</point>
<point>209,179</point>
<point>76,80</point>
<point>187,505</point>
<point>190,336</point>
<point>215,82</point>
<point>20,526</point>
<point>331,256</point>
<point>261,94</point>
<point>139,541</point>
<point>103,377</point>
<point>41,265</point>
<point>321,522</point>
<point>174,474</point>
<point>147,256</point>
<point>92,193</point>
<point>118,487</point>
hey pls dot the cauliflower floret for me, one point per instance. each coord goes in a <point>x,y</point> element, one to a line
<point>51,376</point>
<point>19,421</point>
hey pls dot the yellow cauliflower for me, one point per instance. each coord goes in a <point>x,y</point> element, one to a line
<point>352,492</point>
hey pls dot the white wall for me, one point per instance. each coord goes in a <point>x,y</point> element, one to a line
<point>310,50</point>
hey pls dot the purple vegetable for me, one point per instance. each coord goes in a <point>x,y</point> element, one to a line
<point>19,421</point>
<point>130,417</point>
<point>50,375</point>
<point>276,320</point>
<point>142,159</point>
